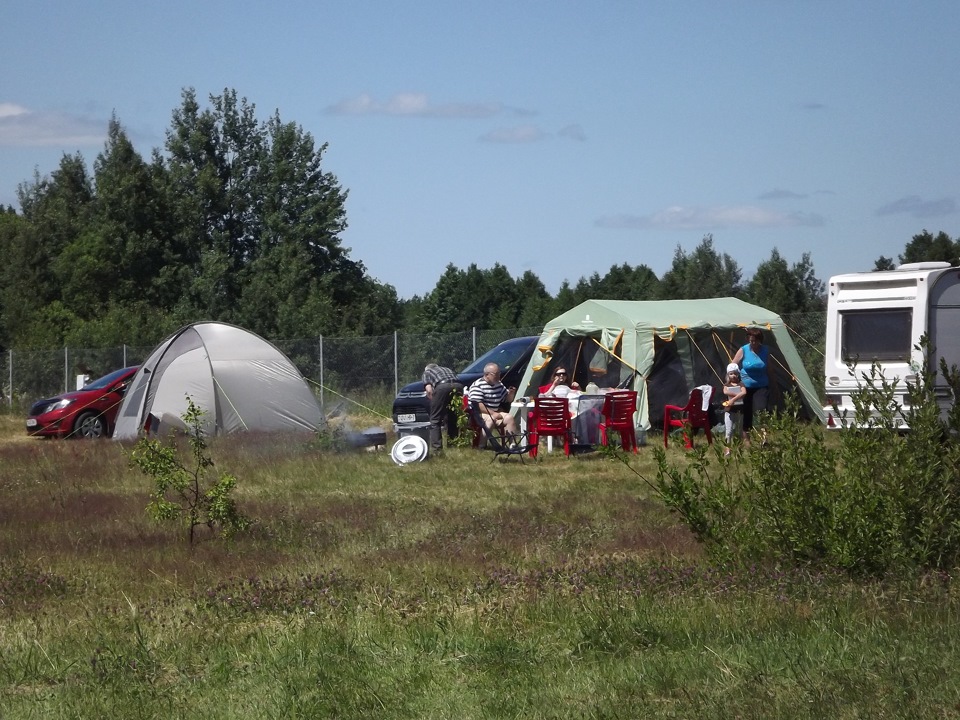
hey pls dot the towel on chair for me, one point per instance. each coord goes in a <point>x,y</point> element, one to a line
<point>706,391</point>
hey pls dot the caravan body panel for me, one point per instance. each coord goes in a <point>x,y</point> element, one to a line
<point>881,317</point>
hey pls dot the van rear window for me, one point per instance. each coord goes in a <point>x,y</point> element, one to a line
<point>868,335</point>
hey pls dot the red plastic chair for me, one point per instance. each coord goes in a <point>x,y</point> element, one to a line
<point>532,412</point>
<point>690,417</point>
<point>619,407</point>
<point>551,418</point>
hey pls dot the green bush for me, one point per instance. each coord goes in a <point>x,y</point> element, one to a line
<point>182,488</point>
<point>876,501</point>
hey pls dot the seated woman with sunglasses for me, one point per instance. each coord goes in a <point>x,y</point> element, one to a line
<point>561,385</point>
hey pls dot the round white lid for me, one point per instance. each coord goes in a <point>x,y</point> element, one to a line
<point>409,449</point>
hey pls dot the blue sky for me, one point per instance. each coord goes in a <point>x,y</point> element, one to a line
<point>560,137</point>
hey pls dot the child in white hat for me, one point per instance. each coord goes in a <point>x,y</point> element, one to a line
<point>733,394</point>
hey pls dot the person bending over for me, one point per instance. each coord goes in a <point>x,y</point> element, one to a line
<point>441,384</point>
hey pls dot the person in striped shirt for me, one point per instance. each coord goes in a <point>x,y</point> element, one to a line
<point>492,400</point>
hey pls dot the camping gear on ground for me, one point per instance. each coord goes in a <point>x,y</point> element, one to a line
<point>374,437</point>
<point>239,380</point>
<point>410,449</point>
<point>419,429</point>
<point>695,414</point>
<point>662,349</point>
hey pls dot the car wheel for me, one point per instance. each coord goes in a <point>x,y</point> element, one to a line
<point>89,425</point>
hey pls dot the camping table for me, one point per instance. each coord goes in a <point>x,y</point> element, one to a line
<point>584,418</point>
<point>585,412</point>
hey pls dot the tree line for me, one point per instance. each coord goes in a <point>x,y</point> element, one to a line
<point>237,220</point>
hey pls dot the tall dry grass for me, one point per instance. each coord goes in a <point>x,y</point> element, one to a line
<point>458,587</point>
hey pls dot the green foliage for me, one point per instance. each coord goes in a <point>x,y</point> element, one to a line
<point>183,490</point>
<point>236,219</point>
<point>786,289</point>
<point>239,222</point>
<point>464,438</point>
<point>926,247</point>
<point>878,501</point>
<point>704,273</point>
<point>622,282</point>
<point>923,247</point>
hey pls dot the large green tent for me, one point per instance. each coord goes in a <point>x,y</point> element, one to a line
<point>663,349</point>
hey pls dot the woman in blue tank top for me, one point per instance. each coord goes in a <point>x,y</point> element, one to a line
<point>752,359</point>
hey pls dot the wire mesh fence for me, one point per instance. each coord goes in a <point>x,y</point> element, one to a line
<point>333,366</point>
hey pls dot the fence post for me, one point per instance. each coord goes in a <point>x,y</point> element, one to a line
<point>396,365</point>
<point>124,354</point>
<point>10,369</point>
<point>322,402</point>
<point>66,369</point>
<point>474,330</point>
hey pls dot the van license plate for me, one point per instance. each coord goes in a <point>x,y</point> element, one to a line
<point>31,422</point>
<point>406,418</point>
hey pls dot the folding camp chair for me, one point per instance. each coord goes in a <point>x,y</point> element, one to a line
<point>476,429</point>
<point>690,417</point>
<point>502,444</point>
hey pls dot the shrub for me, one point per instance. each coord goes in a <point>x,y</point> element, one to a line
<point>878,500</point>
<point>464,436</point>
<point>182,488</point>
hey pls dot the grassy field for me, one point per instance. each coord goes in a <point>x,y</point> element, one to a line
<point>454,588</point>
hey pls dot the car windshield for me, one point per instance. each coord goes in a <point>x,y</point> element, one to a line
<point>505,355</point>
<point>106,380</point>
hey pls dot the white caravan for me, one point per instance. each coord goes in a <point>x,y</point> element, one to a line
<point>880,317</point>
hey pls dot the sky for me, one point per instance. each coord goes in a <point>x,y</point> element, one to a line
<point>556,136</point>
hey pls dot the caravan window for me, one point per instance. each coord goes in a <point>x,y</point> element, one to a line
<point>868,335</point>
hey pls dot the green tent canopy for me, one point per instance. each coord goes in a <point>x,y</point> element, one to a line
<point>665,348</point>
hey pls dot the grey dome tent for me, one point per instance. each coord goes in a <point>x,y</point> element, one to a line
<point>240,381</point>
<point>665,348</point>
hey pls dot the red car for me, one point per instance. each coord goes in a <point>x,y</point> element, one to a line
<point>89,412</point>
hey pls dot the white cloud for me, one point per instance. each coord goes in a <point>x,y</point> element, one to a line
<point>11,110</point>
<point>412,105</point>
<point>918,207</point>
<point>515,134</point>
<point>781,194</point>
<point>708,218</point>
<point>20,127</point>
